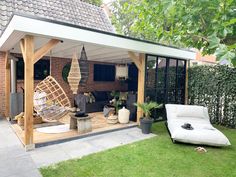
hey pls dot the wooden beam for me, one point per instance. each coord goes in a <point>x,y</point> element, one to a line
<point>7,85</point>
<point>22,46</point>
<point>7,61</point>
<point>45,49</point>
<point>29,89</point>
<point>186,82</point>
<point>141,82</point>
<point>135,59</point>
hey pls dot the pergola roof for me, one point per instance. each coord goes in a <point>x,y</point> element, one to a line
<point>100,45</point>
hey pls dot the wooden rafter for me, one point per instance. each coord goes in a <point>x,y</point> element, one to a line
<point>45,49</point>
<point>22,46</point>
<point>135,59</point>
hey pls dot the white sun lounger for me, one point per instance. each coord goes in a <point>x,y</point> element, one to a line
<point>203,132</point>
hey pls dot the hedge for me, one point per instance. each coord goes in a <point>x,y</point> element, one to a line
<point>214,87</point>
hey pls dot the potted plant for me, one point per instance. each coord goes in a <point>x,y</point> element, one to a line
<point>116,101</point>
<point>146,121</point>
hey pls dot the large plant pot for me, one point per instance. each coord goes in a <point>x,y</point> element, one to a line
<point>146,125</point>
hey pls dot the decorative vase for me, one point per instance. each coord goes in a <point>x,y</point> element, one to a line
<point>123,115</point>
<point>74,76</point>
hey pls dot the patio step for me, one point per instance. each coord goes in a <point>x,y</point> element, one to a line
<point>38,145</point>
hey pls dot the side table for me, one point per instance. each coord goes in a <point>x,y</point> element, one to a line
<point>83,124</point>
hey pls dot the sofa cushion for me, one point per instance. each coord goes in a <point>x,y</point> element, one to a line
<point>100,95</point>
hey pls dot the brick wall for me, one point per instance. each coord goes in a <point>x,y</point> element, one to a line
<point>57,65</point>
<point>2,84</point>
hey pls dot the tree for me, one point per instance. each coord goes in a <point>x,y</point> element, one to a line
<point>94,2</point>
<point>208,25</point>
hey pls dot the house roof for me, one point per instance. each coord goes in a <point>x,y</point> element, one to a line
<point>74,12</point>
<point>74,36</point>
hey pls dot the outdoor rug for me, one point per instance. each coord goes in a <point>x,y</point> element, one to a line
<point>55,129</point>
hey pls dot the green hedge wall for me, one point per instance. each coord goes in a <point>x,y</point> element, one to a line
<point>214,87</point>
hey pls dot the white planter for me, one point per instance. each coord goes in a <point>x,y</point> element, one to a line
<point>123,115</point>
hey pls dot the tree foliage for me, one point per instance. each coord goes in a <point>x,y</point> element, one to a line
<point>208,25</point>
<point>214,87</point>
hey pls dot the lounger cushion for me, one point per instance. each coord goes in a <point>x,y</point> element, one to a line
<point>195,111</point>
<point>203,132</point>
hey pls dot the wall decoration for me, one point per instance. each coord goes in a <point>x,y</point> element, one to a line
<point>65,72</point>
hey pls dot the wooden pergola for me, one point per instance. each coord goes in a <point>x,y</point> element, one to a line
<point>26,37</point>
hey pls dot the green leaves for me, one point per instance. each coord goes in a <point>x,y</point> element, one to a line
<point>147,107</point>
<point>224,52</point>
<point>230,22</point>
<point>214,87</point>
<point>202,24</point>
<point>214,41</point>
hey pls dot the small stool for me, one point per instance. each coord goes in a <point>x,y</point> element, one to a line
<point>83,124</point>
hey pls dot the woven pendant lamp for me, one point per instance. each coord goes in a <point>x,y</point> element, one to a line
<point>122,71</point>
<point>74,76</point>
<point>84,67</point>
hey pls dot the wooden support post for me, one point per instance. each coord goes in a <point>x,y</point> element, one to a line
<point>28,53</point>
<point>30,58</point>
<point>141,80</point>
<point>140,63</point>
<point>186,82</point>
<point>7,85</point>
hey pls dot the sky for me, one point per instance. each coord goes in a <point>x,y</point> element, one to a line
<point>107,1</point>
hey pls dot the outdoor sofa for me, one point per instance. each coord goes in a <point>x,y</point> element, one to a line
<point>201,131</point>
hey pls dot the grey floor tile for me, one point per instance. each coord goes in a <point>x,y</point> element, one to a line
<point>45,157</point>
<point>78,148</point>
<point>31,173</point>
<point>14,161</point>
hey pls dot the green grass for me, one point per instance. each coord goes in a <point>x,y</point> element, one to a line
<point>154,157</point>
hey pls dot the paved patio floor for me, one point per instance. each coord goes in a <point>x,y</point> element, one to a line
<point>48,155</point>
<point>15,162</point>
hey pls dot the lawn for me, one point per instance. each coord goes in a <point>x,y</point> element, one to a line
<point>154,157</point>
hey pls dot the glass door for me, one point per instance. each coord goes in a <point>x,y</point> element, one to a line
<point>164,82</point>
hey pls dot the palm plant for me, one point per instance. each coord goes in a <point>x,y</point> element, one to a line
<point>147,107</point>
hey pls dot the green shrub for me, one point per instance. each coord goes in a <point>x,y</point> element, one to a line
<point>214,87</point>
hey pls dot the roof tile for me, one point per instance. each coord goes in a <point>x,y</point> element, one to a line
<point>70,11</point>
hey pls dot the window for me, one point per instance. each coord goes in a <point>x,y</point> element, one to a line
<point>41,69</point>
<point>165,82</point>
